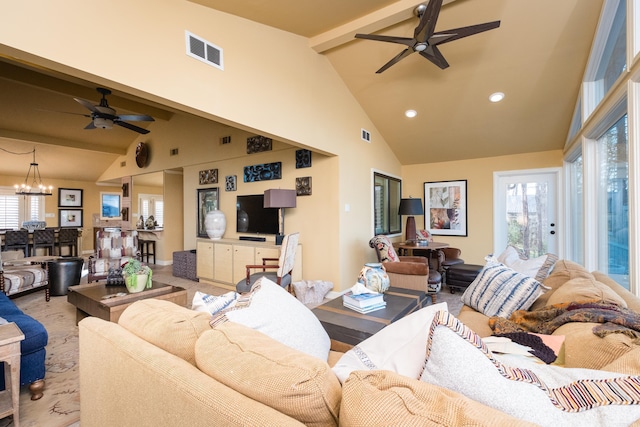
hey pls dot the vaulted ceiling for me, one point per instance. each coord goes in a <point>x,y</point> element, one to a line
<point>536,57</point>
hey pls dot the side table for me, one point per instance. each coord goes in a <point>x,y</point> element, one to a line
<point>10,337</point>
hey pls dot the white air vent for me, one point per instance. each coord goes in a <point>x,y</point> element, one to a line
<point>225,140</point>
<point>365,135</point>
<point>173,152</point>
<point>204,51</point>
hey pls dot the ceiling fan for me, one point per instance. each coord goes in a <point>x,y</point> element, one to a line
<point>104,117</point>
<point>425,41</point>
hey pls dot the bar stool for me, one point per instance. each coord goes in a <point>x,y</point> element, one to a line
<point>68,237</point>
<point>143,246</point>
<point>43,239</point>
<point>17,239</point>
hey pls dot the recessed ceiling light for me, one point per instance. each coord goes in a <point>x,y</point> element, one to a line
<point>411,113</point>
<point>496,97</point>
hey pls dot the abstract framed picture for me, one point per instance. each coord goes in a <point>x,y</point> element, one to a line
<point>445,208</point>
<point>70,197</point>
<point>70,217</point>
<point>207,201</point>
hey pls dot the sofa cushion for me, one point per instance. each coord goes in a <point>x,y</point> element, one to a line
<point>164,324</point>
<point>35,334</point>
<point>299,385</point>
<point>563,271</point>
<point>398,347</point>
<point>212,304</point>
<point>499,290</point>
<point>543,394</point>
<point>273,311</point>
<point>585,289</point>
<point>385,398</point>
<point>628,364</point>
<point>538,268</point>
<point>633,302</point>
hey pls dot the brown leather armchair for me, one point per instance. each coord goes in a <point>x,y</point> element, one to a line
<point>409,272</point>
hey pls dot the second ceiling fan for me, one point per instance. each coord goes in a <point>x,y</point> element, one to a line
<point>425,40</point>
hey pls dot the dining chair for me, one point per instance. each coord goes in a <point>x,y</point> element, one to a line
<point>44,238</point>
<point>17,239</point>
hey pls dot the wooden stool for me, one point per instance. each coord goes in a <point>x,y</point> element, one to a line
<point>144,246</point>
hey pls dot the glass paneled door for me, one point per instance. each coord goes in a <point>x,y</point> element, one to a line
<point>525,211</point>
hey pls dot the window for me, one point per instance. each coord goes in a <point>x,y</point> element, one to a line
<point>575,206</point>
<point>387,192</point>
<point>613,202</point>
<point>151,204</point>
<point>15,209</point>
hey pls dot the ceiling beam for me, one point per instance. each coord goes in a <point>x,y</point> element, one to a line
<point>375,21</point>
<point>31,138</point>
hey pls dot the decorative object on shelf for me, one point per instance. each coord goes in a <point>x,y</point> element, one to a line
<point>263,172</point>
<point>303,159</point>
<point>125,189</point>
<point>410,207</point>
<point>150,223</point>
<point>215,224</point>
<point>207,201</point>
<point>124,213</point>
<point>34,225</point>
<point>70,197</point>
<point>142,154</point>
<point>70,218</point>
<point>446,206</point>
<point>209,176</point>
<point>374,277</point>
<point>303,186</point>
<point>278,198</point>
<point>230,182</point>
<point>37,188</point>
<point>258,144</point>
<point>137,276</point>
<point>140,223</point>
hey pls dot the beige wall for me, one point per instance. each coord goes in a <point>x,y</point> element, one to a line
<point>479,176</point>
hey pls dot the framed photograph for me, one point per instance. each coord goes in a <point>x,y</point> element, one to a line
<point>110,205</point>
<point>445,208</point>
<point>70,218</point>
<point>207,201</point>
<point>70,197</point>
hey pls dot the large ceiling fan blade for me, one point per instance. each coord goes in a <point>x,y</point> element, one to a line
<point>396,59</point>
<point>88,105</point>
<point>428,20</point>
<point>136,118</point>
<point>433,54</point>
<point>131,127</point>
<point>389,39</point>
<point>458,33</point>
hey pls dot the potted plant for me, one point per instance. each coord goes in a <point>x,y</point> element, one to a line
<point>137,276</point>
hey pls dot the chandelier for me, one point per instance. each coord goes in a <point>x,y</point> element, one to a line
<point>36,188</point>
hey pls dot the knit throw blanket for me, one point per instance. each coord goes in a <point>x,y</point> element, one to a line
<point>611,319</point>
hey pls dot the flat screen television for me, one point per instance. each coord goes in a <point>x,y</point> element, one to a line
<point>253,217</point>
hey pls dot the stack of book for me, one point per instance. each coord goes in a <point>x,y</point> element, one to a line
<point>363,303</point>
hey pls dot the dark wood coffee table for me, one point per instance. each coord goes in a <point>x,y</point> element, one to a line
<point>95,299</point>
<point>350,327</point>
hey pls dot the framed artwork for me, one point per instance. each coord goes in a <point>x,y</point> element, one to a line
<point>110,205</point>
<point>303,186</point>
<point>445,208</point>
<point>258,144</point>
<point>70,217</point>
<point>207,201</point>
<point>70,197</point>
<point>263,172</point>
<point>303,159</point>
<point>209,176</point>
<point>230,183</point>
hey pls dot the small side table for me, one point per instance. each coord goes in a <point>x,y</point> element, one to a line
<point>10,337</point>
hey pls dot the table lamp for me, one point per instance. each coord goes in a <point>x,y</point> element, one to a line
<point>411,207</point>
<point>277,198</point>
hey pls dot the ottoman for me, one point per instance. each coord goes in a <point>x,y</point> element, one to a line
<point>184,265</point>
<point>460,276</point>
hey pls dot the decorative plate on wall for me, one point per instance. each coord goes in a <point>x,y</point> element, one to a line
<point>142,154</point>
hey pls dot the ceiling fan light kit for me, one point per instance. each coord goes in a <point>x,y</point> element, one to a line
<point>496,97</point>
<point>425,40</point>
<point>104,117</point>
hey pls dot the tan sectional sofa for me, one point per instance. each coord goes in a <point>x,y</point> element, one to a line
<point>164,365</point>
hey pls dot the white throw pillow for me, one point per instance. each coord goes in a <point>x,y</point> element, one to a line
<point>212,304</point>
<point>457,358</point>
<point>276,313</point>
<point>499,291</point>
<point>538,268</point>
<point>398,347</point>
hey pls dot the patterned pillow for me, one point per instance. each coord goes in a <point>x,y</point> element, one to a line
<point>211,303</point>
<point>538,268</point>
<point>499,291</point>
<point>384,247</point>
<point>543,394</point>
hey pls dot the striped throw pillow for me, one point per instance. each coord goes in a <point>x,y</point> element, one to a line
<point>499,290</point>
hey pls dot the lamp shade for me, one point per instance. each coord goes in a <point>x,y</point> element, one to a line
<point>277,198</point>
<point>410,207</point>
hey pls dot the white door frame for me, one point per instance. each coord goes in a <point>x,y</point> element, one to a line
<point>559,215</point>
